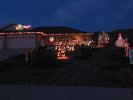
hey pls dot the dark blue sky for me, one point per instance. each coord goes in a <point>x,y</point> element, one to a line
<point>88,15</point>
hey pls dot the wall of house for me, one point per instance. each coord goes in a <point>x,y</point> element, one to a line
<point>39,40</point>
<point>1,42</point>
<point>47,40</point>
<point>75,38</point>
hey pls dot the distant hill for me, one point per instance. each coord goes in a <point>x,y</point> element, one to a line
<point>126,33</point>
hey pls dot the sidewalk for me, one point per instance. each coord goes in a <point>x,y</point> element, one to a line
<point>32,92</point>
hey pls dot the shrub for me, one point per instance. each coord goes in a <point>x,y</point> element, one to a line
<point>82,52</point>
<point>44,58</point>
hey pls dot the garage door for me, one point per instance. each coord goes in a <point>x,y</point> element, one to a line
<point>18,42</point>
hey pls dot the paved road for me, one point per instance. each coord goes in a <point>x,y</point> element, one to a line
<point>63,93</point>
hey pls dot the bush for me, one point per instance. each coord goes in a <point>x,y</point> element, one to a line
<point>45,58</point>
<point>82,52</point>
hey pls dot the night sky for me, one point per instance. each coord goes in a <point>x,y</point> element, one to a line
<point>87,15</point>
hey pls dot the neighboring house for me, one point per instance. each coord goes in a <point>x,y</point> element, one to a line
<point>14,37</point>
<point>65,34</point>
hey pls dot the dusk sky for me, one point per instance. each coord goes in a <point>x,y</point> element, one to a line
<point>87,15</point>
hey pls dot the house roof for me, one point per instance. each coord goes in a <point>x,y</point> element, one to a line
<point>46,30</point>
<point>10,25</point>
<point>58,30</point>
<point>11,30</point>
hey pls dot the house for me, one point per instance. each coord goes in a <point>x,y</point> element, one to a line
<point>17,36</point>
<point>63,34</point>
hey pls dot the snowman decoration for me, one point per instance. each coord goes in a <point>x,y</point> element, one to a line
<point>120,42</point>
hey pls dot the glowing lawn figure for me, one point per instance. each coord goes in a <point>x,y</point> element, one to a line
<point>61,53</point>
<point>127,47</point>
<point>120,42</point>
<point>131,56</point>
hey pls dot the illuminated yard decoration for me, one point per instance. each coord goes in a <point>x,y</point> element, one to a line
<point>120,42</point>
<point>127,47</point>
<point>103,40</point>
<point>61,55</point>
<point>100,41</point>
<point>19,27</point>
<point>91,44</point>
<point>51,39</point>
<point>61,50</point>
<point>131,56</point>
<point>23,27</point>
<point>70,46</point>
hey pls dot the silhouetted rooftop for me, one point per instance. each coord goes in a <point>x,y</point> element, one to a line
<point>58,29</point>
<point>10,25</point>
